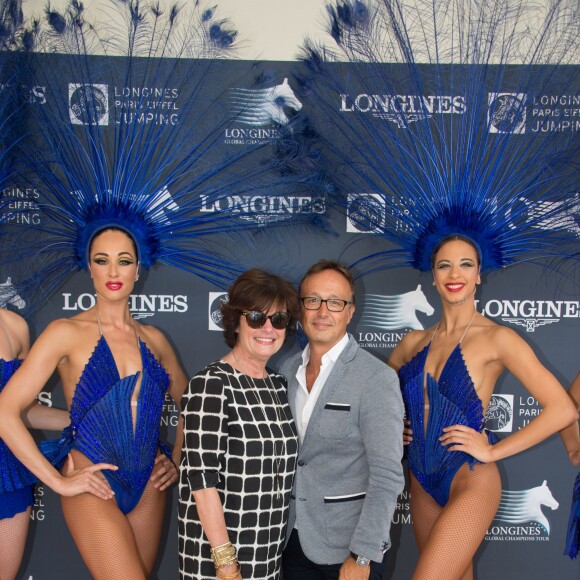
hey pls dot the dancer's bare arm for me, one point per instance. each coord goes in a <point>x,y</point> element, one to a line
<point>52,346</point>
<point>557,408</point>
<point>571,435</point>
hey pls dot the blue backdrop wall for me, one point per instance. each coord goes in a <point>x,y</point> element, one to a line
<point>545,310</point>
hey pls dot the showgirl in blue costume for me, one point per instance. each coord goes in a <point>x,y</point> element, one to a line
<point>114,374</point>
<point>571,439</point>
<point>117,197</point>
<point>446,186</point>
<point>452,399</point>
<point>447,375</point>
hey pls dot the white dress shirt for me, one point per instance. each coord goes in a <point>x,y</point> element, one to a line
<point>306,401</point>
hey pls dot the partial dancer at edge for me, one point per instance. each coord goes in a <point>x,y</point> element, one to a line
<point>571,439</point>
<point>17,483</point>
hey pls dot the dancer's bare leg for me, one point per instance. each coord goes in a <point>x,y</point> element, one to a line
<point>146,520</point>
<point>424,512</point>
<point>460,527</point>
<point>102,533</point>
<point>13,532</point>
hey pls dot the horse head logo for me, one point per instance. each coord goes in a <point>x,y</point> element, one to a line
<point>263,106</point>
<point>546,215</point>
<point>518,507</point>
<point>398,311</point>
<point>9,295</point>
<point>507,112</point>
<point>162,203</point>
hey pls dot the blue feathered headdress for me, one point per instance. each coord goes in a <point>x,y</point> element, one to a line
<point>153,163</point>
<point>434,131</point>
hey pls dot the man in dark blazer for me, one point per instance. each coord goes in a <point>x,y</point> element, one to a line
<point>348,411</point>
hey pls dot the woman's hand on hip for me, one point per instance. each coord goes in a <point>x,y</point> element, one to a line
<point>86,480</point>
<point>468,440</point>
<point>407,433</point>
<point>164,472</point>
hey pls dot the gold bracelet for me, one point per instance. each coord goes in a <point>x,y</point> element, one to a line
<point>219,558</point>
<point>224,555</point>
<point>229,576</point>
<point>223,548</point>
<point>228,562</point>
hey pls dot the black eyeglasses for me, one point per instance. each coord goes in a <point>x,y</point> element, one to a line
<point>256,319</point>
<point>332,304</point>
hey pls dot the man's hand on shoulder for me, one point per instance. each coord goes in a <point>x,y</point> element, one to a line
<point>350,570</point>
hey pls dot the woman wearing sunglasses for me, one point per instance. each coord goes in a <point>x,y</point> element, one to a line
<point>240,443</point>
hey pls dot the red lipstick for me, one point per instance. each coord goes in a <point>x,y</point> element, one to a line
<point>457,287</point>
<point>114,285</point>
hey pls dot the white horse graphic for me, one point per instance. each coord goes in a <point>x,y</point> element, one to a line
<point>550,215</point>
<point>161,206</point>
<point>517,507</point>
<point>398,311</point>
<point>8,295</point>
<point>263,106</point>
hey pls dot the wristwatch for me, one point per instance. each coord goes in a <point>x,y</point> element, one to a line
<point>361,560</point>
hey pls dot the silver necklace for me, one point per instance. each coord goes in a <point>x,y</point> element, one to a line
<point>277,410</point>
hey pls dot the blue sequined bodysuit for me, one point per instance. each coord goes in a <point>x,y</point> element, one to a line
<point>102,424</point>
<point>16,482</point>
<point>452,401</point>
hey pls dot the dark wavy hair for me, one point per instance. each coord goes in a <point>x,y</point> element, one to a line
<point>257,290</point>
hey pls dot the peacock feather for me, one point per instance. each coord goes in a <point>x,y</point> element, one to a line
<point>437,128</point>
<point>128,133</point>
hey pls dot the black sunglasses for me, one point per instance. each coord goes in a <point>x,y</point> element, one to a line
<point>256,319</point>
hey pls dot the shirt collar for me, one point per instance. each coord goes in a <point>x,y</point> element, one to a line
<point>330,356</point>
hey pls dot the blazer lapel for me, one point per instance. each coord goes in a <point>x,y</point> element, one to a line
<point>292,382</point>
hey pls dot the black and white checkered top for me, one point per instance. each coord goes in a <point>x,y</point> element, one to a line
<point>238,435</point>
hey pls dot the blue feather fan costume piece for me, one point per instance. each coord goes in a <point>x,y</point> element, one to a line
<point>438,115</point>
<point>126,133</point>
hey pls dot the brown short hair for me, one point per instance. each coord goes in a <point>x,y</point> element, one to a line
<point>323,265</point>
<point>257,290</point>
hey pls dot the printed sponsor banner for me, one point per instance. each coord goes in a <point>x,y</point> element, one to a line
<point>500,414</point>
<point>257,112</point>
<point>385,319</point>
<point>140,305</point>
<point>530,313</point>
<point>214,314</point>
<point>9,295</point>
<point>520,516</point>
<point>402,109</point>
<point>20,206</point>
<point>506,113</point>
<point>88,104</point>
